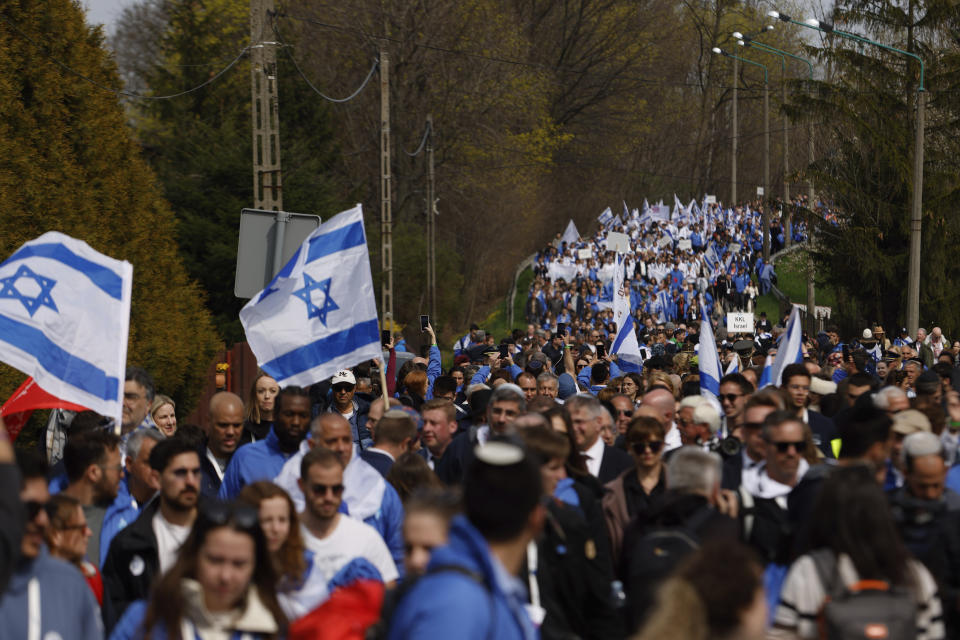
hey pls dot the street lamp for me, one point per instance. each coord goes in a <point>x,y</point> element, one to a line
<point>765,214</point>
<point>916,205</point>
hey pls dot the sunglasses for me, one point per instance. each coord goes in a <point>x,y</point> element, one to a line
<point>626,413</point>
<point>220,513</point>
<point>783,447</point>
<point>322,489</point>
<point>653,446</point>
<point>752,425</point>
<point>33,508</point>
<point>342,388</point>
<point>729,397</point>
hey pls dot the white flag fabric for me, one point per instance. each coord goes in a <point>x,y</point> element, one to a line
<point>625,344</point>
<point>571,235</point>
<point>605,218</point>
<point>708,360</point>
<point>65,320</point>
<point>734,366</point>
<point>790,349</point>
<point>318,315</point>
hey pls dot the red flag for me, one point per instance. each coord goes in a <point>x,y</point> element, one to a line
<point>28,397</point>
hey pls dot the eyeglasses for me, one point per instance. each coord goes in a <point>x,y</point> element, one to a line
<point>342,388</point>
<point>784,446</point>
<point>626,413</point>
<point>653,446</point>
<point>221,513</point>
<point>322,489</point>
<point>752,425</point>
<point>730,397</point>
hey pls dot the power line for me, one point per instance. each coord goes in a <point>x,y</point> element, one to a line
<point>423,141</point>
<point>286,48</point>
<point>119,92</point>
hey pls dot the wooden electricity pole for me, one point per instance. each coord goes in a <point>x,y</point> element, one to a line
<point>386,216</point>
<point>264,109</point>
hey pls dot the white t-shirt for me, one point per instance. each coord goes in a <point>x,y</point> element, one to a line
<point>351,539</point>
<point>169,539</point>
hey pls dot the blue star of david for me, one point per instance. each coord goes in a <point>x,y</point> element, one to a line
<point>42,299</point>
<point>309,286</point>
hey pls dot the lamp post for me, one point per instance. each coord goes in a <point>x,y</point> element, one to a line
<point>916,204</point>
<point>766,143</point>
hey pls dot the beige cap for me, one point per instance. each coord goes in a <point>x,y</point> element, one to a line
<point>911,421</point>
<point>822,387</point>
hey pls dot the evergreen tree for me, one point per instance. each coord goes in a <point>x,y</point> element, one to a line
<point>69,164</point>
<point>200,144</point>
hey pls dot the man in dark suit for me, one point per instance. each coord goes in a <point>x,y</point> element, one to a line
<point>396,433</point>
<point>796,381</point>
<point>589,417</point>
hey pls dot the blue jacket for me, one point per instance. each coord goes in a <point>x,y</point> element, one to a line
<point>434,370</point>
<point>584,377</point>
<point>260,460</point>
<point>66,603</point>
<point>449,604</point>
<point>121,512</point>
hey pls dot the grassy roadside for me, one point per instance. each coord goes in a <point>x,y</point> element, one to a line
<point>792,281</point>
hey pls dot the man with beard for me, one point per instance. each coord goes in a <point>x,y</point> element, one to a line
<point>148,547</point>
<point>263,459</point>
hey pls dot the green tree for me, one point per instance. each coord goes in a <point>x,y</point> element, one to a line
<point>200,144</point>
<point>69,164</point>
<point>868,111</point>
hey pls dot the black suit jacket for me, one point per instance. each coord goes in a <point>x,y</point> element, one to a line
<point>614,462</point>
<point>378,460</point>
<point>824,430</point>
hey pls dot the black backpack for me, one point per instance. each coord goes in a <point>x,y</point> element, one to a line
<point>866,610</point>
<point>655,556</point>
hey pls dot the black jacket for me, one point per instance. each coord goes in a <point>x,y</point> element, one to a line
<point>131,565</point>
<point>11,522</point>
<point>614,462</point>
<point>574,584</point>
<point>378,460</point>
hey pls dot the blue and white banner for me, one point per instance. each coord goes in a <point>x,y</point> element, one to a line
<point>790,348</point>
<point>708,361</point>
<point>65,320</point>
<point>734,366</point>
<point>625,345</point>
<point>318,315</point>
<point>606,217</point>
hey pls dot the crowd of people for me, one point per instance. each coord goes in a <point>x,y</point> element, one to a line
<point>530,488</point>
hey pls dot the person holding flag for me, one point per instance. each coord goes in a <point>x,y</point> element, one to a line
<point>625,344</point>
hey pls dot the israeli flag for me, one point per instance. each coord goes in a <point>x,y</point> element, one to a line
<point>65,320</point>
<point>625,344</point>
<point>734,366</point>
<point>766,374</point>
<point>318,315</point>
<point>606,217</point>
<point>790,349</point>
<point>709,361</point>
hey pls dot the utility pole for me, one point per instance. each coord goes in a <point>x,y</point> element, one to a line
<point>431,226</point>
<point>913,278</point>
<point>811,284</point>
<point>766,167</point>
<point>733,142</point>
<point>386,193</point>
<point>265,112</point>
<point>785,219</point>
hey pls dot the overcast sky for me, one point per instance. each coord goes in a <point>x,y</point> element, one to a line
<point>105,11</point>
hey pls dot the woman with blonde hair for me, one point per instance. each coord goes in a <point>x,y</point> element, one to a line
<point>163,410</point>
<point>258,408</point>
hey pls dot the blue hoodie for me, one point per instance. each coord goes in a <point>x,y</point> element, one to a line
<point>449,604</point>
<point>65,600</point>
<point>260,460</point>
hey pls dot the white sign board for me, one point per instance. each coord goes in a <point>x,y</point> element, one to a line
<point>684,245</point>
<point>618,242</point>
<point>665,242</point>
<point>739,322</point>
<point>734,247</point>
<point>711,200</point>
<point>585,254</point>
<point>759,191</point>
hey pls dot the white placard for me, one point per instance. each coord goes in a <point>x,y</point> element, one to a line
<point>684,245</point>
<point>711,200</point>
<point>739,322</point>
<point>734,247</point>
<point>585,254</point>
<point>665,242</point>
<point>619,242</point>
<point>759,191</point>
